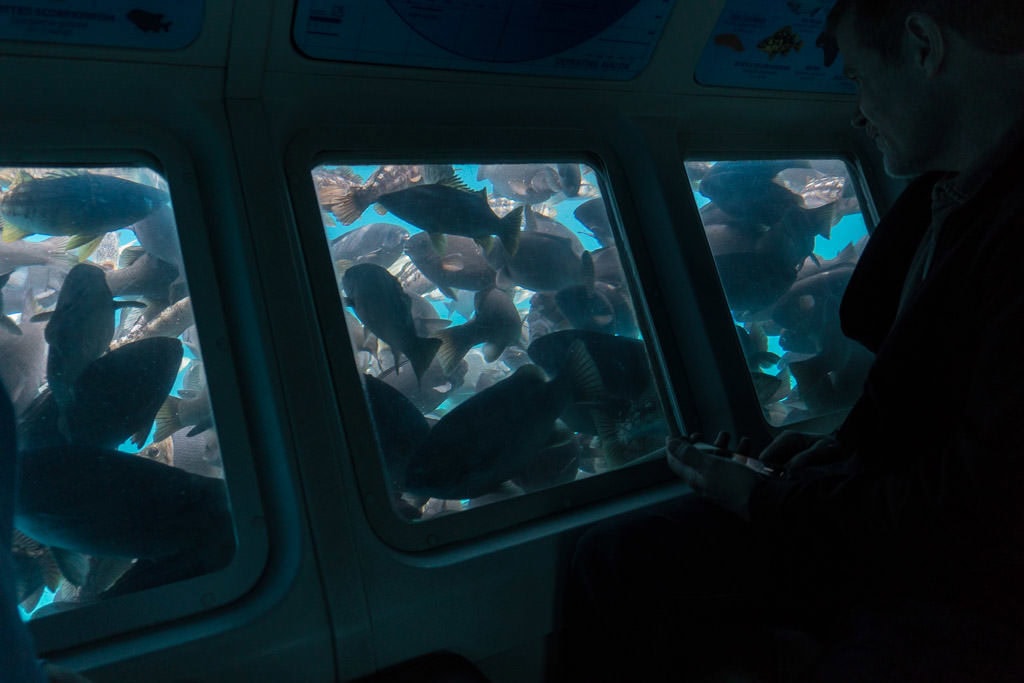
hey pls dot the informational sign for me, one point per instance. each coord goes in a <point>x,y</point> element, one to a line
<point>608,39</point>
<point>771,44</point>
<point>147,24</point>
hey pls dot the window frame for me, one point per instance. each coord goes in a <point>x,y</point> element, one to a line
<point>28,145</point>
<point>382,145</point>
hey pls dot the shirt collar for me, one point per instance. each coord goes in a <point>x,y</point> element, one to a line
<point>956,188</point>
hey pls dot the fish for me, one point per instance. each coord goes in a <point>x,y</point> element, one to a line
<point>386,179</point>
<point>593,214</point>
<point>198,454</point>
<point>536,222</point>
<point>754,344</point>
<point>608,266</point>
<point>425,318</point>
<point>148,22</point>
<point>571,178</point>
<point>399,425</point>
<point>50,252</point>
<point>444,210</point>
<point>434,388</point>
<point>780,43</point>
<point>558,463</point>
<point>462,265</point>
<point>596,306</point>
<point>544,316</point>
<point>23,362</point>
<point>139,273</point>
<point>380,243</point>
<point>6,322</point>
<point>500,432</point>
<point>527,183</point>
<point>103,502</point>
<point>158,235</point>
<point>83,206</point>
<point>496,324</point>
<point>811,306</point>
<point>190,408</point>
<point>384,307</point>
<point>171,322</point>
<point>79,329</point>
<point>730,40</point>
<point>748,191</point>
<point>543,263</point>
<point>159,451</point>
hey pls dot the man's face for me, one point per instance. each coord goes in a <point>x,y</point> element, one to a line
<point>892,105</point>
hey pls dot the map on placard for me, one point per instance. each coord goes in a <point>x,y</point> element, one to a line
<point>147,24</point>
<point>771,44</point>
<point>609,39</point>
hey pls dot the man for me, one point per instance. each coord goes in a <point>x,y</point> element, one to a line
<point>898,543</point>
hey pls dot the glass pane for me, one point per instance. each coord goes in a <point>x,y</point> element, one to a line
<point>121,486</point>
<point>492,322</point>
<point>786,235</point>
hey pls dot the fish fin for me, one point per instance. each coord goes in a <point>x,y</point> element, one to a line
<point>130,255</point>
<point>422,354</point>
<point>587,270</point>
<point>347,209</point>
<point>200,428</point>
<point>41,317</point>
<point>11,233</point>
<point>510,229</point>
<point>823,218</point>
<point>493,351</point>
<point>167,420</point>
<point>433,325</point>
<point>73,566</point>
<point>30,601</point>
<point>9,325</point>
<point>86,244</point>
<point>349,175</point>
<point>486,243</point>
<point>455,344</point>
<point>128,304</point>
<point>586,379</point>
<point>447,291</point>
<point>439,241</point>
<point>381,211</point>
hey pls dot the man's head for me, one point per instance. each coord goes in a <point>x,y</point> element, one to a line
<point>915,62</point>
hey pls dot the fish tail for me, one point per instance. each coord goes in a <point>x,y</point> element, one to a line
<point>348,209</point>
<point>11,233</point>
<point>167,419</point>
<point>86,244</point>
<point>455,344</point>
<point>422,354</point>
<point>511,226</point>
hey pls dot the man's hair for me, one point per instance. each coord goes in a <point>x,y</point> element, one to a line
<point>993,25</point>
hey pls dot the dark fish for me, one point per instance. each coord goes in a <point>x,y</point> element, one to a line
<point>608,266</point>
<point>139,273</point>
<point>461,266</point>
<point>528,183</point>
<point>148,22</point>
<point>543,263</point>
<point>190,408</point>
<point>834,377</point>
<point>557,463</point>
<point>158,235</point>
<point>500,432</point>
<point>400,427</point>
<point>811,306</point>
<point>381,304</point>
<point>496,324</point>
<point>544,316</point>
<point>79,330</point>
<point>536,222</point>
<point>390,178</point>
<point>434,388</point>
<point>103,502</point>
<point>83,206</point>
<point>570,177</point>
<point>425,317</point>
<point>380,243</point>
<point>443,210</point>
<point>23,363</point>
<point>596,306</point>
<point>593,214</point>
<point>746,189</point>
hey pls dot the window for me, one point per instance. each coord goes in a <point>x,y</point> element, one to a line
<point>493,326</point>
<point>785,235</point>
<point>121,486</point>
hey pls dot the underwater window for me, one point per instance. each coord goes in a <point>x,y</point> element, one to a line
<point>786,235</point>
<point>120,485</point>
<point>493,326</point>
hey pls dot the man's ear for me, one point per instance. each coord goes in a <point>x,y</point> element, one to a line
<point>924,40</point>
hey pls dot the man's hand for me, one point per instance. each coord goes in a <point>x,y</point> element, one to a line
<point>727,481</point>
<point>795,450</point>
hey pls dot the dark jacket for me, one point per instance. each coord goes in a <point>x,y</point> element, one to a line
<point>930,503</point>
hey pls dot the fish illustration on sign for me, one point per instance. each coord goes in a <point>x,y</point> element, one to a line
<point>781,42</point>
<point>148,22</point>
